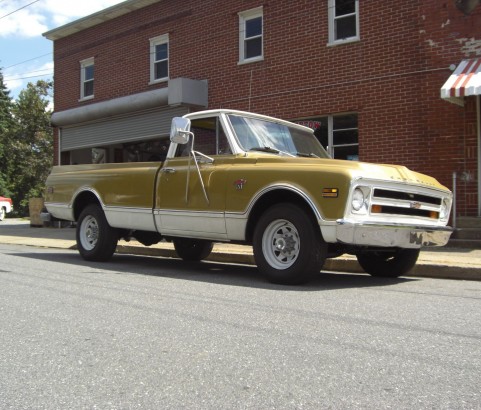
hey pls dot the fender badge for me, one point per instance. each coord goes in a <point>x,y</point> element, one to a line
<point>239,184</point>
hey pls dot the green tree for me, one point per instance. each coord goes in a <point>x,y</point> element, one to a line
<point>6,122</point>
<point>30,144</point>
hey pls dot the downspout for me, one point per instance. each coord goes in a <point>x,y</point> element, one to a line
<point>59,147</point>
<point>478,121</point>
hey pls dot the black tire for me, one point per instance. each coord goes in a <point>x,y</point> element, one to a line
<point>192,250</point>
<point>288,245</point>
<point>389,263</point>
<point>96,239</point>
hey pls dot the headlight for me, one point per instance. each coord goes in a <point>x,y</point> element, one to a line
<point>445,209</point>
<point>357,199</point>
<point>360,200</point>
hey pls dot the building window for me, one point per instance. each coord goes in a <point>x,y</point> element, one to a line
<point>338,134</point>
<point>343,21</point>
<point>87,79</point>
<point>251,36</point>
<point>159,59</point>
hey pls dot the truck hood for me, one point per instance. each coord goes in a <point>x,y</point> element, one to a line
<point>356,169</point>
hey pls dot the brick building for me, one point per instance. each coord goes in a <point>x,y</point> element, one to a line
<point>382,81</point>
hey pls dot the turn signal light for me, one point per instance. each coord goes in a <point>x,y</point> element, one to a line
<point>376,209</point>
<point>330,192</point>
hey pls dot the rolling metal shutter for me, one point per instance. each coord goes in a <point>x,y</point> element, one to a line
<point>131,127</point>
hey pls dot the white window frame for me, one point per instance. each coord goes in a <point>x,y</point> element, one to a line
<point>163,39</point>
<point>332,24</point>
<point>331,149</point>
<point>243,17</point>
<point>83,66</point>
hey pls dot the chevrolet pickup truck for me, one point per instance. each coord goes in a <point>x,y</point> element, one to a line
<point>244,178</point>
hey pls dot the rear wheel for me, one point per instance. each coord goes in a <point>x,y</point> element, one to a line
<point>389,263</point>
<point>192,250</point>
<point>288,247</point>
<point>96,239</point>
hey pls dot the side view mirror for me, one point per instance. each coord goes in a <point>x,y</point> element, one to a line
<point>179,131</point>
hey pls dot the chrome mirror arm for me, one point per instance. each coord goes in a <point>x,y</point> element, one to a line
<point>193,154</point>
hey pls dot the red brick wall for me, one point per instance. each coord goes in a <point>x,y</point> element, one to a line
<point>391,78</point>
<point>447,37</point>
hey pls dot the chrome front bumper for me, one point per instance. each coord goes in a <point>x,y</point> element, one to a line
<point>391,235</point>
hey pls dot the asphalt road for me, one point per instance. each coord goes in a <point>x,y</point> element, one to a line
<point>153,333</point>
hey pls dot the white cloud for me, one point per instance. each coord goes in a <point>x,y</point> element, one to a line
<point>23,22</point>
<point>45,15</point>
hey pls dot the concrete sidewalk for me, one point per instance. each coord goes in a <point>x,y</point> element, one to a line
<point>452,263</point>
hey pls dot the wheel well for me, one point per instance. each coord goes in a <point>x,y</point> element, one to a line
<point>271,198</point>
<point>82,200</point>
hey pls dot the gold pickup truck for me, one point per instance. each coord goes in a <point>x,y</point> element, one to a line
<point>238,177</point>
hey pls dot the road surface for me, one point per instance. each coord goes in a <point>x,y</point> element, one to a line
<point>150,333</point>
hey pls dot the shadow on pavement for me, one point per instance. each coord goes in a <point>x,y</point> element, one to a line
<point>210,272</point>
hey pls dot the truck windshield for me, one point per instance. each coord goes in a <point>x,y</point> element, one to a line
<point>255,134</point>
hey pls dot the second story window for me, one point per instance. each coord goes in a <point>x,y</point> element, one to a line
<point>159,59</point>
<point>343,21</point>
<point>251,46</point>
<point>87,79</point>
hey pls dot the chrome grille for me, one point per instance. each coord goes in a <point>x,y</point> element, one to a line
<point>403,203</point>
<point>406,196</point>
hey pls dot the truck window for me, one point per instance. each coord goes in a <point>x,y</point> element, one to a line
<point>209,138</point>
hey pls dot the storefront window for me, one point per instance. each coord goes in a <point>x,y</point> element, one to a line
<point>338,134</point>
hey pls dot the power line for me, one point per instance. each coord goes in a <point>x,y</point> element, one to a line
<point>26,78</point>
<point>21,8</point>
<point>26,61</point>
<point>44,74</point>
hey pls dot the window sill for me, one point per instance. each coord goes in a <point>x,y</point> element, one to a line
<point>90,97</point>
<point>251,60</point>
<point>159,81</point>
<point>344,41</point>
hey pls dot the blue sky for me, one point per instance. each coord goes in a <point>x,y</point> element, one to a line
<point>25,55</point>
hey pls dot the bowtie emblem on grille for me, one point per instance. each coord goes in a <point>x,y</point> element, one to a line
<point>415,205</point>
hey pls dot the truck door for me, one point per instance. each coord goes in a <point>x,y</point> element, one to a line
<point>191,192</point>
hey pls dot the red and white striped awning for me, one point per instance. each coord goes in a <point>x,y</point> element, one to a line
<point>463,82</point>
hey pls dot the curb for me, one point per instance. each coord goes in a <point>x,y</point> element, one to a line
<point>445,267</point>
<point>349,265</point>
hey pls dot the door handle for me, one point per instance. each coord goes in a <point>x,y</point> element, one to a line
<point>169,170</point>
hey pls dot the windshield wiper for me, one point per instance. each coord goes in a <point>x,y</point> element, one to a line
<point>310,155</point>
<point>271,150</point>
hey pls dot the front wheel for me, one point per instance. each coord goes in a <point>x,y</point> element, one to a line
<point>288,246</point>
<point>96,239</point>
<point>192,250</point>
<point>3,212</point>
<point>389,263</point>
